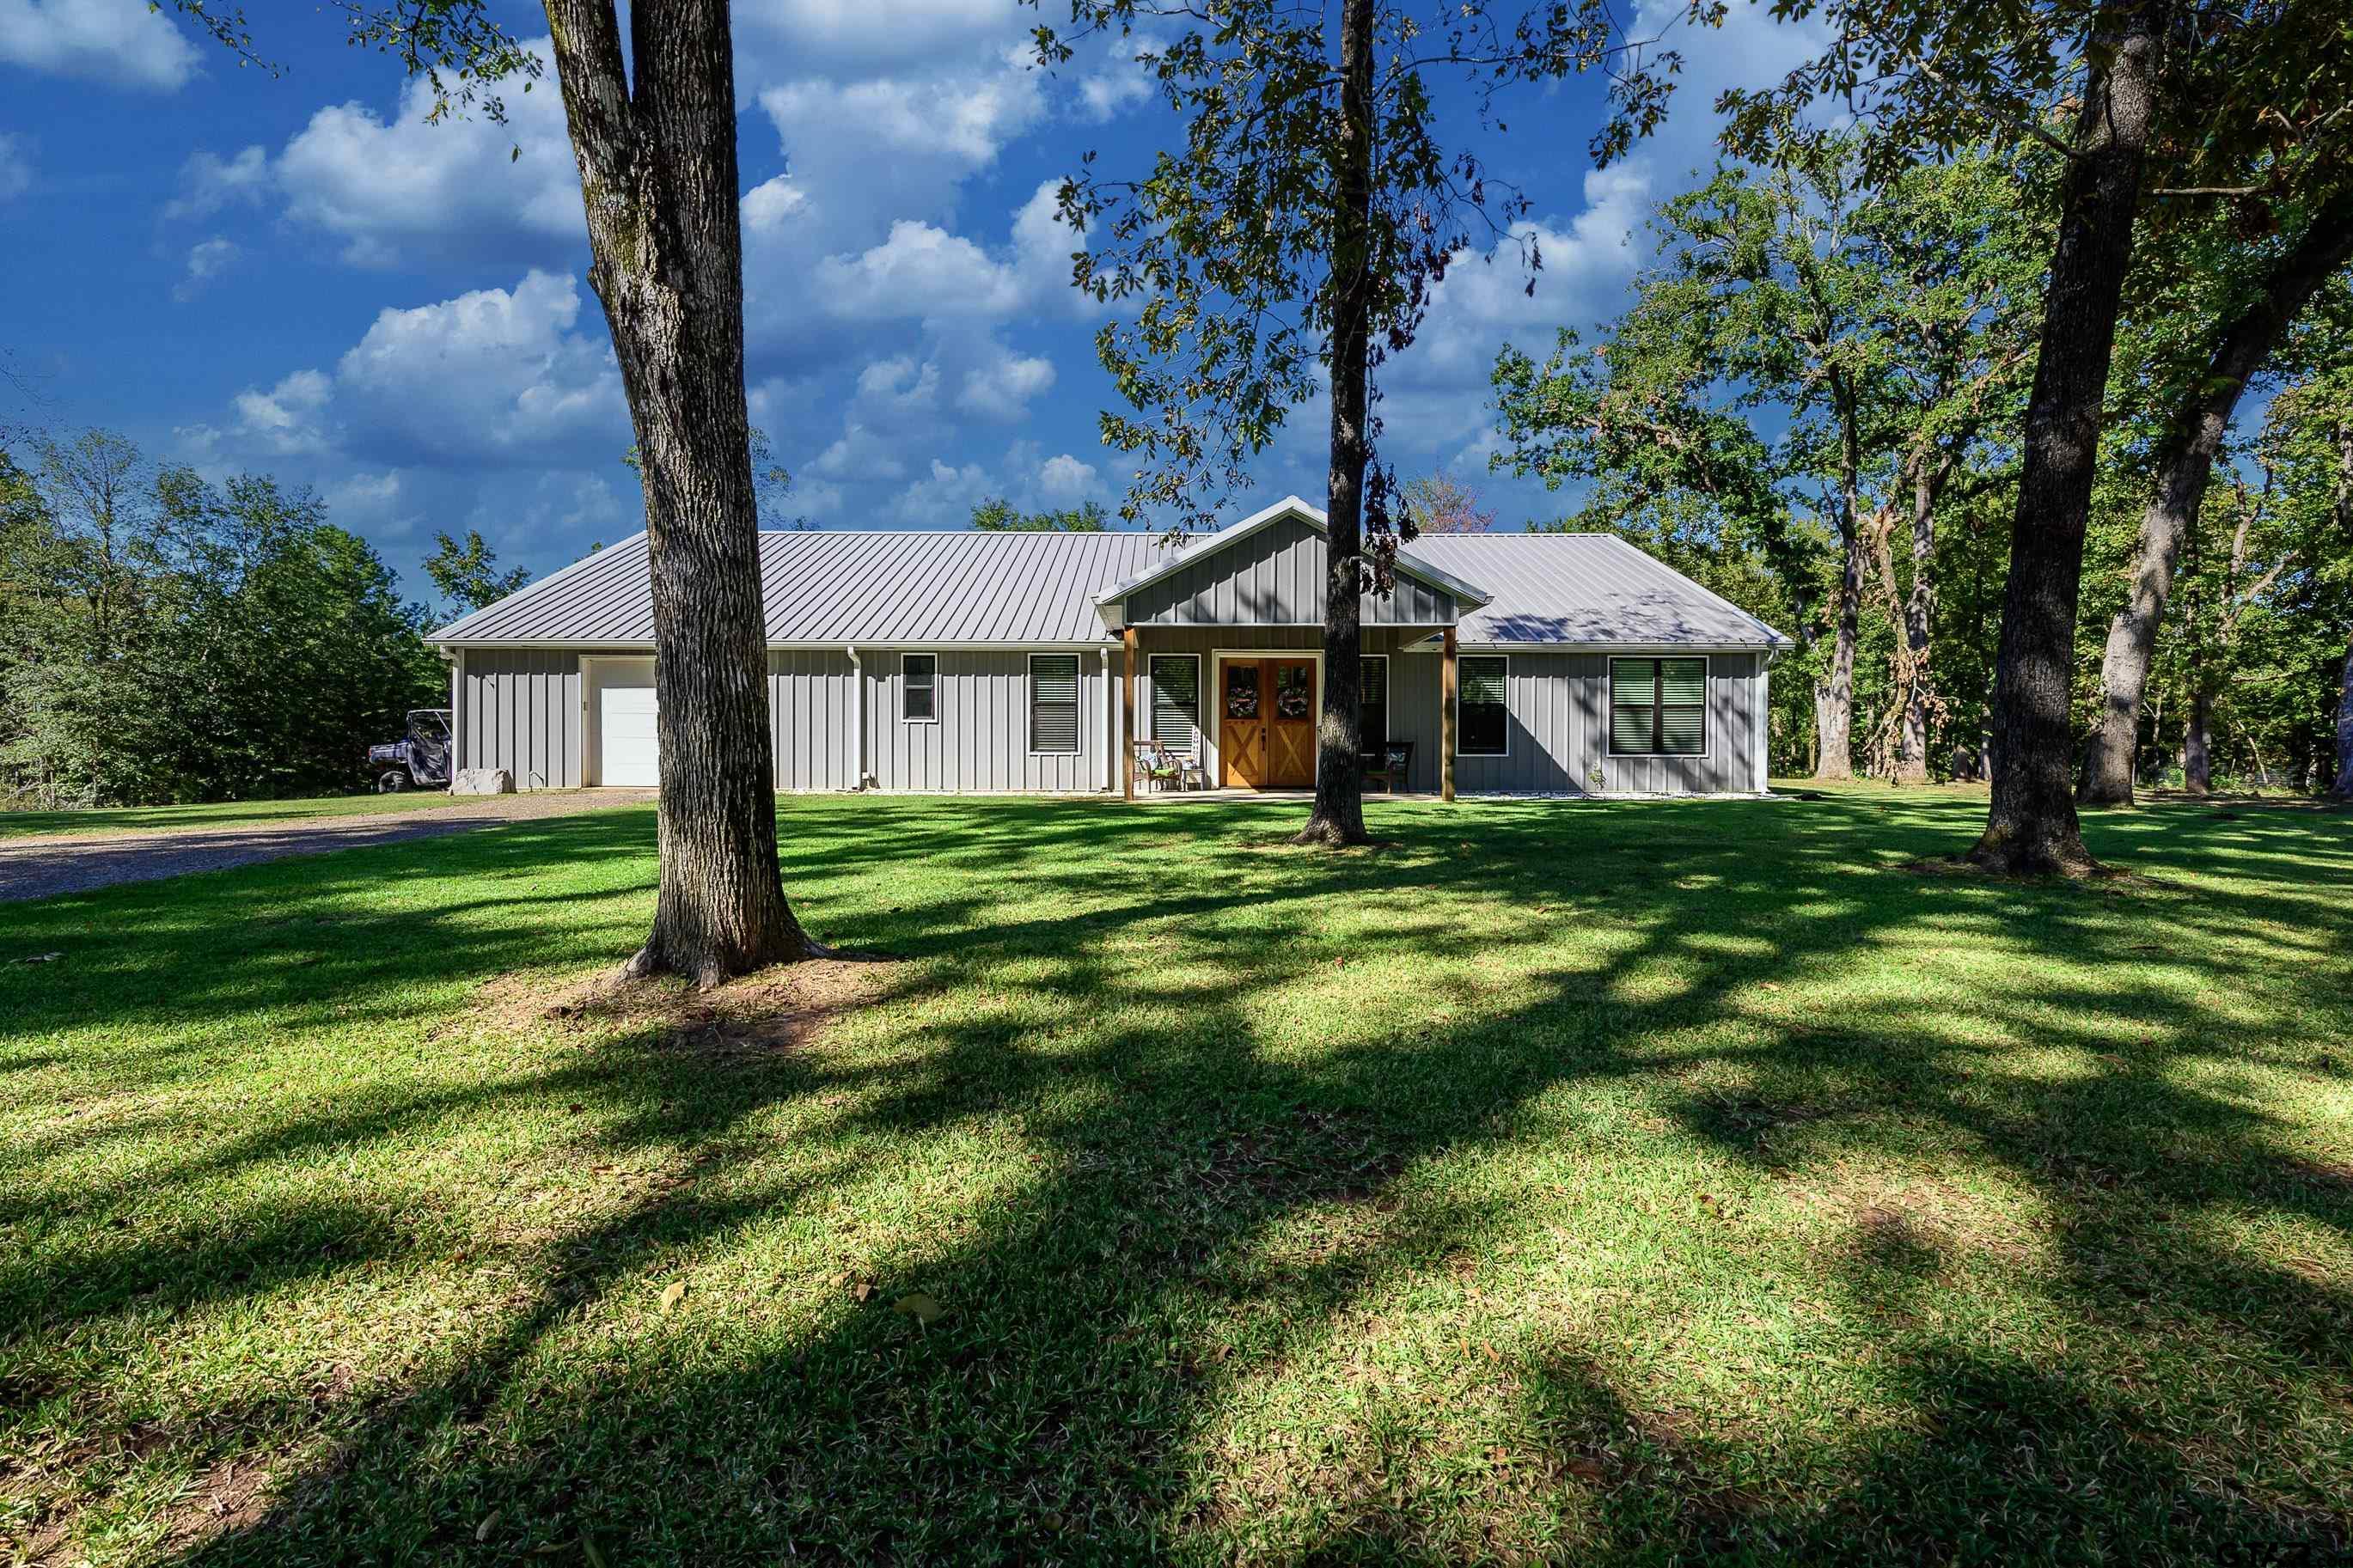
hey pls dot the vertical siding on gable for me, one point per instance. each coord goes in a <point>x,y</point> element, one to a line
<point>520,709</point>
<point>1275,577</point>
<point>980,740</point>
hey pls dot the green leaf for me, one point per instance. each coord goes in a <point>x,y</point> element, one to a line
<point>924,1308</point>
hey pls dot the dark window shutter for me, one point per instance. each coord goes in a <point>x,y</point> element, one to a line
<point>1176,702</point>
<point>1374,703</point>
<point>1054,702</point>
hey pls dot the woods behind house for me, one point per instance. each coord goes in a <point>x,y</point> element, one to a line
<point>1813,406</point>
<point>165,639</point>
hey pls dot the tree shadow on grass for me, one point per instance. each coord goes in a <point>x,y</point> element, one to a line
<point>1228,1158</point>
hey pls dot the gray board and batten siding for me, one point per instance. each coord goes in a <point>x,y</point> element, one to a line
<point>528,669</point>
<point>522,710</point>
<point>1273,578</point>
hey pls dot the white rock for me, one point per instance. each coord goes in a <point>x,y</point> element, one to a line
<point>482,781</point>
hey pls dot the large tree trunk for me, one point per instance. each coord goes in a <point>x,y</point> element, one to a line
<point>2197,740</point>
<point>1834,698</point>
<point>2343,788</point>
<point>659,178</point>
<point>2183,467</point>
<point>1339,815</point>
<point>1919,619</point>
<point>2031,829</point>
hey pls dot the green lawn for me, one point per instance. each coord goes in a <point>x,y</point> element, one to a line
<point>1566,1182</point>
<point>220,814</point>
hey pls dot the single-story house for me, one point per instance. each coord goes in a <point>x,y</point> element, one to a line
<point>1518,663</point>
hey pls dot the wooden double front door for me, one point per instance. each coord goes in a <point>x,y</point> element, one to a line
<point>1266,723</point>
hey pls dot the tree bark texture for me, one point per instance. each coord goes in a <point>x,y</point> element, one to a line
<point>1834,696</point>
<point>2031,829</point>
<point>1919,623</point>
<point>2343,788</point>
<point>2184,465</point>
<point>658,179</point>
<point>2197,739</point>
<point>1339,815</point>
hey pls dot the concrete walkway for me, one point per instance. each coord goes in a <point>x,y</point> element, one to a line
<point>69,863</point>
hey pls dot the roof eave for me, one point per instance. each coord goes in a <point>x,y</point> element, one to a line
<point>454,632</point>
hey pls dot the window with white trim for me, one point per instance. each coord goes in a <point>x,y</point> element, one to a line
<point>1482,728</point>
<point>1054,702</point>
<point>1176,701</point>
<point>919,679</point>
<point>1373,702</point>
<point>1658,706</point>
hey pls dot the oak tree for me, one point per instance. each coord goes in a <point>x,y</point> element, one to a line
<point>652,124</point>
<point>1286,246</point>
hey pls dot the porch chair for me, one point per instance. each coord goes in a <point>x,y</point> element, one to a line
<point>1157,766</point>
<point>1390,767</point>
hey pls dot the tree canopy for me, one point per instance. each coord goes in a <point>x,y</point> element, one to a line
<point>164,638</point>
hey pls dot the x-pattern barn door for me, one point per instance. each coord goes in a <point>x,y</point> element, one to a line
<point>1266,723</point>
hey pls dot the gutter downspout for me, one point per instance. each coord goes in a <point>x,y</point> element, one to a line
<point>1111,724</point>
<point>858,739</point>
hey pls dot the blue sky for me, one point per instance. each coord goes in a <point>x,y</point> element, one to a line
<point>298,276</point>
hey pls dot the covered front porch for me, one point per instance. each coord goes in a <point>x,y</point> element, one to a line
<point>1236,709</point>
<point>1222,660</point>
<point>1222,664</point>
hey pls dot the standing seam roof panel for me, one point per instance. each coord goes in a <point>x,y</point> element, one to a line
<point>1025,589</point>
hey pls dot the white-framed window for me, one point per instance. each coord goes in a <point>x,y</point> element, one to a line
<point>1658,706</point>
<point>1176,702</point>
<point>1482,725</point>
<point>919,688</point>
<point>1373,702</point>
<point>1054,702</point>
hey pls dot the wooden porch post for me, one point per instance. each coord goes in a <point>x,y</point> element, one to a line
<point>1446,690</point>
<point>1126,750</point>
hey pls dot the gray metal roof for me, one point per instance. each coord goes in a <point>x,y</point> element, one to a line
<point>1585,588</point>
<point>824,587</point>
<point>1026,589</point>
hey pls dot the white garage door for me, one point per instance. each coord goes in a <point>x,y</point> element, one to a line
<point>628,749</point>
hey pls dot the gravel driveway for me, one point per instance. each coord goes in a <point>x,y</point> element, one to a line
<point>66,863</point>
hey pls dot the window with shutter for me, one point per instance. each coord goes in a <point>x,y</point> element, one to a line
<point>1176,701</point>
<point>1053,702</point>
<point>1483,727</point>
<point>1658,706</point>
<point>918,676</point>
<point>1373,701</point>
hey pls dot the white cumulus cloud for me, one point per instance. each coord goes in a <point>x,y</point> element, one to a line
<point>209,182</point>
<point>920,270</point>
<point>1063,478</point>
<point>122,42</point>
<point>208,259</point>
<point>1002,387</point>
<point>491,378</point>
<point>290,418</point>
<point>391,188</point>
